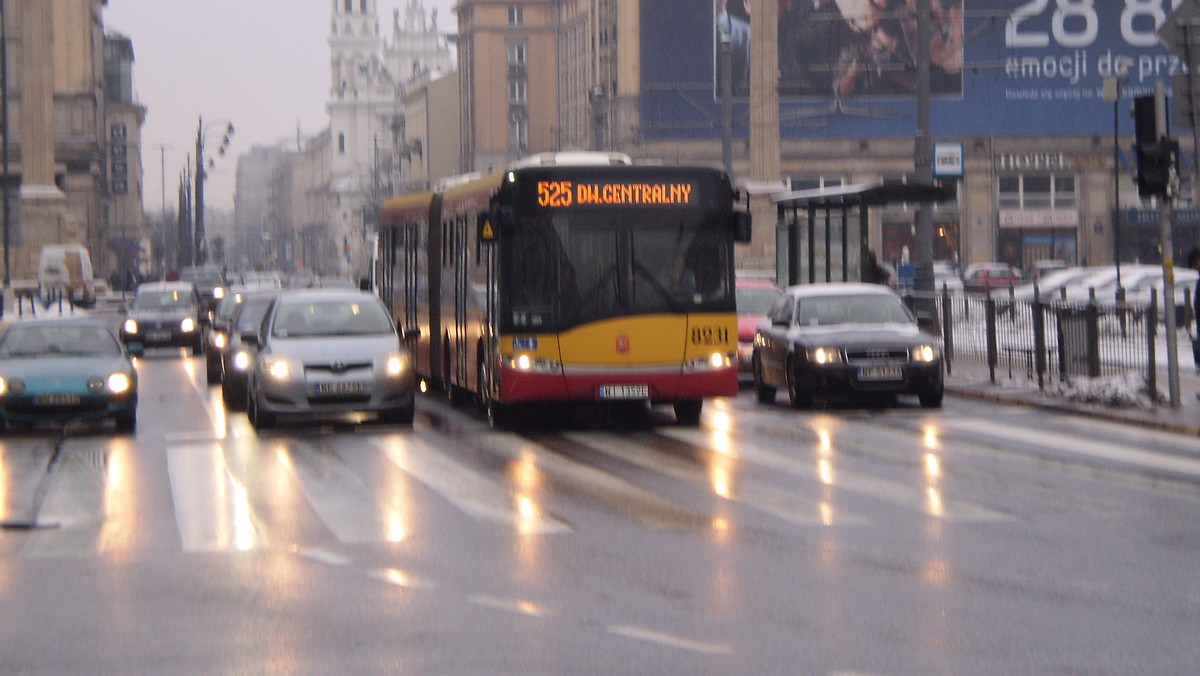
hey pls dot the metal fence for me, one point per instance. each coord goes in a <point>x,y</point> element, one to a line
<point>1045,339</point>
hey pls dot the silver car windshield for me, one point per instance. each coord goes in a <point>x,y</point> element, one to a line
<point>330,318</point>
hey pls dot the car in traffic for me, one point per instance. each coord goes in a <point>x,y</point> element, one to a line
<point>328,353</point>
<point>63,369</point>
<point>211,283</point>
<point>845,339</point>
<point>238,354</point>
<point>754,296</point>
<point>165,314</point>
<point>987,277</point>
<point>220,330</point>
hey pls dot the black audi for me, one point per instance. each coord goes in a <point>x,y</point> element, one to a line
<point>845,339</point>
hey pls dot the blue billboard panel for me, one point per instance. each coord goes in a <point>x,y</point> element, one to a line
<point>847,68</point>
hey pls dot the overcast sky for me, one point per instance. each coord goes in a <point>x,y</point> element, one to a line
<point>262,65</point>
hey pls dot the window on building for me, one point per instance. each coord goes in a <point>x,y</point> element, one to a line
<point>1036,191</point>
<point>516,91</point>
<point>518,133</point>
<point>341,143</point>
<point>516,16</point>
<point>516,53</point>
<point>363,6</point>
<point>813,182</point>
<point>349,6</point>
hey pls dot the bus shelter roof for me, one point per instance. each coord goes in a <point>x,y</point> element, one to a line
<point>862,194</point>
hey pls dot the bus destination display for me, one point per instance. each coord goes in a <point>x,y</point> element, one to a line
<point>557,194</point>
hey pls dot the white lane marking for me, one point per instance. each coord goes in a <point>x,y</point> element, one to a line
<point>1086,447</point>
<point>341,500</point>
<point>212,508</point>
<point>915,497</point>
<point>515,606</point>
<point>648,508</point>
<point>400,578</point>
<point>467,490</point>
<point>787,505</point>
<point>324,556</point>
<point>669,640</point>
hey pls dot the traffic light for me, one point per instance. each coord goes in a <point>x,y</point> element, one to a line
<point>1154,164</point>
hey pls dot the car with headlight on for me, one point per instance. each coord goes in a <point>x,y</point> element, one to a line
<point>65,369</point>
<point>326,354</point>
<point>845,339</point>
<point>165,314</point>
<point>220,332</point>
<point>237,354</point>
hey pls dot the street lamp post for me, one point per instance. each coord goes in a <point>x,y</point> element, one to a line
<point>199,251</point>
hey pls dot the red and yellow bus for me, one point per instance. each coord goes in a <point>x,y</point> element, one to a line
<point>593,281</point>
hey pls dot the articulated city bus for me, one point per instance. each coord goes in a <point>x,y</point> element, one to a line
<point>577,278</point>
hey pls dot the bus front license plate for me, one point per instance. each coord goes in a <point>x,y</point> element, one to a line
<point>624,391</point>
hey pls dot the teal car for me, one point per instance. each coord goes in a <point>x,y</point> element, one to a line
<point>64,369</point>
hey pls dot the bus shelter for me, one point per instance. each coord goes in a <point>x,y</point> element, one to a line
<point>817,239</point>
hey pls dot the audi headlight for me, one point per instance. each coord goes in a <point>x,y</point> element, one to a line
<point>119,382</point>
<point>824,355</point>
<point>712,362</point>
<point>188,325</point>
<point>532,364</point>
<point>397,364</point>
<point>131,326</point>
<point>277,368</point>
<point>924,353</point>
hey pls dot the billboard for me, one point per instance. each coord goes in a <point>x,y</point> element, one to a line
<point>847,68</point>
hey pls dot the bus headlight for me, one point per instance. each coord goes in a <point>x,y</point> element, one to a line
<point>713,362</point>
<point>824,355</point>
<point>924,353</point>
<point>530,364</point>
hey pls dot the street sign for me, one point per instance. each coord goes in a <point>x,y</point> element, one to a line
<point>1181,24</point>
<point>948,160</point>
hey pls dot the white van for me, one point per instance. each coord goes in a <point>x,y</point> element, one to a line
<point>65,270</point>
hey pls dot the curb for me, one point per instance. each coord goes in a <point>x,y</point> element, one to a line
<point>1111,415</point>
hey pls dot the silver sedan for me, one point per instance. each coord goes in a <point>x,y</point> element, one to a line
<point>328,354</point>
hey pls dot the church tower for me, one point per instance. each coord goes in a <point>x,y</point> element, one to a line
<point>360,107</point>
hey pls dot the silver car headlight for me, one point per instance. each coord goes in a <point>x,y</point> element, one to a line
<point>824,355</point>
<point>277,368</point>
<point>396,364</point>
<point>131,326</point>
<point>924,353</point>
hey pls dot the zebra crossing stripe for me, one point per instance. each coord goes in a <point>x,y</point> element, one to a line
<point>212,508</point>
<point>341,500</point>
<point>467,490</point>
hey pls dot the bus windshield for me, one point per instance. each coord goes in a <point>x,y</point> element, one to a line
<point>563,268</point>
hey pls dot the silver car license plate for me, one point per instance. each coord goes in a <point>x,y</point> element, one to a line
<point>624,391</point>
<point>347,387</point>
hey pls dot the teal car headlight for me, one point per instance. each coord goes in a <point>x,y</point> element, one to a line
<point>119,383</point>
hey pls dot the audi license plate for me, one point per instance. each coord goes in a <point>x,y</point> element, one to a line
<point>56,400</point>
<point>880,373</point>
<point>348,387</point>
<point>624,391</point>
